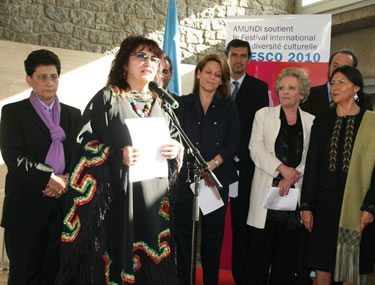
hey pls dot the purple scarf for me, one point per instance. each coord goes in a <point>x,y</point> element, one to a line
<point>55,156</point>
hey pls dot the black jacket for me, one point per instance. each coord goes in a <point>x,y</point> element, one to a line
<point>216,132</point>
<point>24,143</point>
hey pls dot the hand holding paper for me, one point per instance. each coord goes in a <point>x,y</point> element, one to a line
<point>282,203</point>
<point>149,163</point>
<point>170,150</point>
<point>210,198</point>
<point>130,155</point>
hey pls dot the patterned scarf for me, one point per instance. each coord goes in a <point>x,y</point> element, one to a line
<point>55,156</point>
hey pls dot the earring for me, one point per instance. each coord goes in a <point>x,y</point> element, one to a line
<point>356,98</point>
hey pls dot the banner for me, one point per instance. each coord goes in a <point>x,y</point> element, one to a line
<point>280,41</point>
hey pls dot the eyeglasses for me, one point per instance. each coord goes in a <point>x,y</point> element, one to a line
<point>142,56</point>
<point>44,77</point>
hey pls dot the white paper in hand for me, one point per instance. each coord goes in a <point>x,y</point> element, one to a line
<point>148,135</point>
<point>282,203</point>
<point>209,198</point>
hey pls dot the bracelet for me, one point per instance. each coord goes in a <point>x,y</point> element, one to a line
<point>216,162</point>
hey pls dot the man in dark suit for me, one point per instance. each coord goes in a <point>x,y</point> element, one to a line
<point>250,95</point>
<point>37,136</point>
<point>320,100</point>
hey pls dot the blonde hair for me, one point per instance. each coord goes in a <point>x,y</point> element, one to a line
<point>302,77</point>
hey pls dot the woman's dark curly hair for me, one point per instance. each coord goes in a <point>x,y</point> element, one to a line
<point>117,77</point>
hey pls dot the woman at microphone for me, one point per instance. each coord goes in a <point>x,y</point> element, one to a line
<point>209,118</point>
<point>117,231</point>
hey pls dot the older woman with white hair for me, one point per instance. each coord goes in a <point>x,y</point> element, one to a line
<point>278,146</point>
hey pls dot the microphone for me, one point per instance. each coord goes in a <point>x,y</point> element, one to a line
<point>164,95</point>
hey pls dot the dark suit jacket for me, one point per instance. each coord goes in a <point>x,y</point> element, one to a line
<point>317,103</point>
<point>24,143</point>
<point>216,132</point>
<point>252,96</point>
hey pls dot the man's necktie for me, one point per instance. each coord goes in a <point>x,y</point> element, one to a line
<point>235,90</point>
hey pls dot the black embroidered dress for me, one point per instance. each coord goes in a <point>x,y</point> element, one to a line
<point>115,232</point>
<point>325,177</point>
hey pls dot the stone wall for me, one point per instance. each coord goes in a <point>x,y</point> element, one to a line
<point>355,30</point>
<point>100,26</point>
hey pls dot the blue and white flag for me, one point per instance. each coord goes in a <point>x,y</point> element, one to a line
<point>171,46</point>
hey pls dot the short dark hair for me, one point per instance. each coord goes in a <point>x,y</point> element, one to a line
<point>355,76</point>
<point>117,77</point>
<point>167,58</point>
<point>345,51</point>
<point>223,91</point>
<point>41,57</point>
<point>238,43</point>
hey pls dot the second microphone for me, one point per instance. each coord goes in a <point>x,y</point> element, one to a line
<point>163,94</point>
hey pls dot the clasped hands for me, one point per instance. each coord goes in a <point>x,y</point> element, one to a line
<point>130,154</point>
<point>56,186</point>
<point>290,177</point>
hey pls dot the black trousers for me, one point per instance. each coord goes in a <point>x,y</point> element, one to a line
<point>240,230</point>
<point>240,238</point>
<point>212,231</point>
<point>274,246</point>
<point>33,256</point>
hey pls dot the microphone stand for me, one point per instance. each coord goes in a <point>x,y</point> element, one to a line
<point>199,165</point>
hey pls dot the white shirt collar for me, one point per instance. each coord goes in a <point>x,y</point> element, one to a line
<point>239,80</point>
<point>48,108</point>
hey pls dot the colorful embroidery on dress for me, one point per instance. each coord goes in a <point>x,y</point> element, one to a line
<point>128,278</point>
<point>164,208</point>
<point>156,256</point>
<point>107,265</point>
<point>348,145</point>
<point>136,262</point>
<point>163,252</point>
<point>333,145</point>
<point>87,187</point>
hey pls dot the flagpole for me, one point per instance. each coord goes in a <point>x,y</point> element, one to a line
<point>171,46</point>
